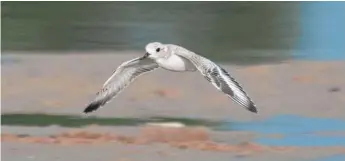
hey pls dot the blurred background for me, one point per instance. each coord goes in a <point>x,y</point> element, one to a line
<point>288,56</point>
<point>232,31</point>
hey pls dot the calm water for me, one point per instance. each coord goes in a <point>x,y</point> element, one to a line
<point>239,31</point>
<point>229,31</point>
<point>77,121</point>
<point>295,130</point>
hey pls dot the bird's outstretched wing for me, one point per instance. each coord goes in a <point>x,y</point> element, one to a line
<point>121,78</point>
<point>222,80</point>
<point>219,77</point>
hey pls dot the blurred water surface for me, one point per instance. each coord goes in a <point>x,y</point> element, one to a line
<point>294,130</point>
<point>221,30</point>
<point>228,31</point>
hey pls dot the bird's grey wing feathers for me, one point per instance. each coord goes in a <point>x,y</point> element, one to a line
<point>218,77</point>
<point>222,80</point>
<point>120,79</point>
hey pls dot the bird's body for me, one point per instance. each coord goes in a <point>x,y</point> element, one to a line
<point>176,63</point>
<point>173,58</point>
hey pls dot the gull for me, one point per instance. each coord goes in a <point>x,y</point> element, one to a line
<point>172,58</point>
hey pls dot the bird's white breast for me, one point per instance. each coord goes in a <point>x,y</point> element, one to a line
<point>176,63</point>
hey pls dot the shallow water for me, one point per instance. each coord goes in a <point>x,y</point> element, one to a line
<point>295,130</point>
<point>322,31</point>
<point>77,121</point>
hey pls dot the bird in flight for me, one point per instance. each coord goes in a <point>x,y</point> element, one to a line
<point>173,58</point>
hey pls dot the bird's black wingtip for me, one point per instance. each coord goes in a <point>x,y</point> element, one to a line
<point>252,108</point>
<point>92,107</point>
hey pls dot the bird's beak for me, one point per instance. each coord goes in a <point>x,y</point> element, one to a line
<point>145,56</point>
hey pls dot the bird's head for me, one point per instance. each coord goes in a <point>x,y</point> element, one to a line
<point>154,50</point>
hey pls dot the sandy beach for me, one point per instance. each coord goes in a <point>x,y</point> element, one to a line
<point>63,84</point>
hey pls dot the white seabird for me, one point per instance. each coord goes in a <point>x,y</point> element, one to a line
<point>173,58</point>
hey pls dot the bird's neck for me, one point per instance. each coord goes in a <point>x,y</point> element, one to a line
<point>178,50</point>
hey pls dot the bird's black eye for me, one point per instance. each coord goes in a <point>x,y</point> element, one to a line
<point>158,49</point>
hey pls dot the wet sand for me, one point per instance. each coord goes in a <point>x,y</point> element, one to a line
<point>64,84</point>
<point>147,143</point>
